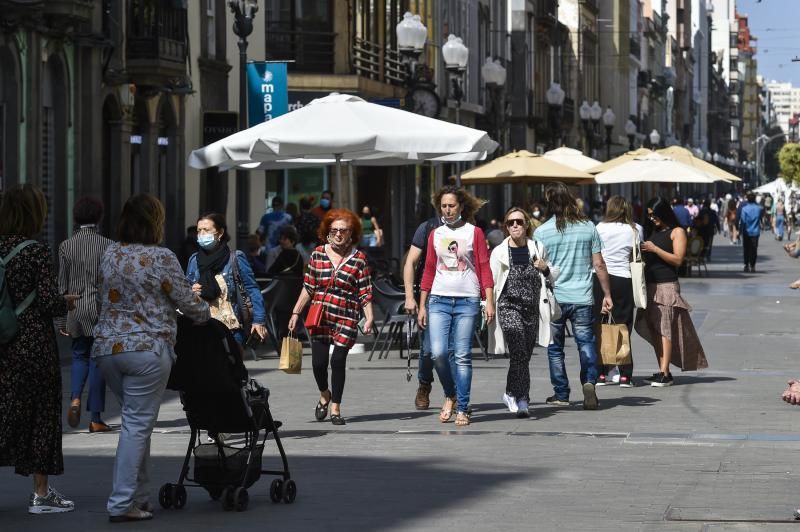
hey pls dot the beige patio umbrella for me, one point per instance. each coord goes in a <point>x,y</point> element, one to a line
<point>524,167</point>
<point>572,158</point>
<point>616,161</point>
<point>686,157</point>
<point>653,168</point>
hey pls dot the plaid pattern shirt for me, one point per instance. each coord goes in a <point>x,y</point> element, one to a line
<point>342,297</point>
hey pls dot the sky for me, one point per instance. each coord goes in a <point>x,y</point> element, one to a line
<point>775,23</point>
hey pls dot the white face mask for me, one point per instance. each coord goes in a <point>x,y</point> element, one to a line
<point>536,214</point>
<point>445,221</point>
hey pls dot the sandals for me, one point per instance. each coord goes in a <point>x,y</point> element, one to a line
<point>446,413</point>
<point>462,419</point>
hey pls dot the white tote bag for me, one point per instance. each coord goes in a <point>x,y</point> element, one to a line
<point>637,274</point>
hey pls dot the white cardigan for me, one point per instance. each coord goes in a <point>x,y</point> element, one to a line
<point>500,268</point>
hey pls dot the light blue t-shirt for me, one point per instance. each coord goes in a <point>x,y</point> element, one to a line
<point>571,252</point>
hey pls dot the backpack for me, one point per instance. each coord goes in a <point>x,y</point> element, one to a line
<point>8,312</point>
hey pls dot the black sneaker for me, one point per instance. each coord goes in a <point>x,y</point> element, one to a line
<point>747,269</point>
<point>653,377</point>
<point>555,401</point>
<point>662,380</point>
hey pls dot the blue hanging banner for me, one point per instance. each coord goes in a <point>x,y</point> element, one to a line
<point>267,92</point>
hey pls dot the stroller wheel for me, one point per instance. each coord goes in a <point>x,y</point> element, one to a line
<point>289,491</point>
<point>240,499</point>
<point>178,497</point>
<point>227,498</point>
<point>276,490</point>
<point>165,496</point>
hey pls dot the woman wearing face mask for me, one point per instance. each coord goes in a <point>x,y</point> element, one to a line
<point>537,215</point>
<point>337,278</point>
<point>370,230</point>
<point>666,323</point>
<point>450,296</point>
<point>519,269</point>
<point>212,275</point>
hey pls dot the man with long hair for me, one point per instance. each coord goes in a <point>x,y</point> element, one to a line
<point>573,245</point>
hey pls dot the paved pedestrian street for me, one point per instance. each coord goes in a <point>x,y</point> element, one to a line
<point>719,451</point>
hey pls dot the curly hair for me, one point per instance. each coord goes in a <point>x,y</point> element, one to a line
<point>345,215</point>
<point>469,203</point>
<point>563,205</point>
<point>23,210</point>
<point>142,220</point>
<point>528,224</point>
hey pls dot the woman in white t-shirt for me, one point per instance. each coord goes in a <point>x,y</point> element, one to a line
<point>617,232</point>
<point>456,277</point>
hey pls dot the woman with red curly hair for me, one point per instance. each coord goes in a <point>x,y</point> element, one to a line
<point>339,280</point>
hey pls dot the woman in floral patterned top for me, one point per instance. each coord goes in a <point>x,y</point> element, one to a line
<point>140,287</point>
<point>337,278</point>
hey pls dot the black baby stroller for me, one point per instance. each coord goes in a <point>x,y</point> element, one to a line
<point>218,397</point>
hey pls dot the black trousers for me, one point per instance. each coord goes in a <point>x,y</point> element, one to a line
<point>622,312</point>
<point>338,362</point>
<point>750,244</point>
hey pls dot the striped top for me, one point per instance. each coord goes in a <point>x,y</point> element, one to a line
<point>342,298</point>
<point>79,262</point>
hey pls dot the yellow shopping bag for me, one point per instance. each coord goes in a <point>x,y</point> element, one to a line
<point>291,355</point>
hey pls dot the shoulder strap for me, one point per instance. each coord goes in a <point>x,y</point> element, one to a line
<point>636,250</point>
<point>19,247</point>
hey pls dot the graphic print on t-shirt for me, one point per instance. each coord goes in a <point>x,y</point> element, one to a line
<point>453,255</point>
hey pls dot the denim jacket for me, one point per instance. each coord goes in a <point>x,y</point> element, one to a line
<point>248,278</point>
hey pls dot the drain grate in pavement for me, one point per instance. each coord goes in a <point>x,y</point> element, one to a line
<point>715,515</point>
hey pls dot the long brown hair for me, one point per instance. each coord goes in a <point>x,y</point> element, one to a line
<point>469,203</point>
<point>563,205</point>
<point>142,220</point>
<point>618,210</point>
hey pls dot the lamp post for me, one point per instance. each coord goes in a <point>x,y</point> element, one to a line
<point>455,56</point>
<point>609,119</point>
<point>630,131</point>
<point>244,11</point>
<point>555,100</point>
<point>494,75</point>
<point>596,113</point>
<point>411,37</point>
<point>655,139</point>
<point>585,112</point>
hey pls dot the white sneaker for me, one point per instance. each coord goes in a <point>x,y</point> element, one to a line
<point>511,403</point>
<point>522,408</point>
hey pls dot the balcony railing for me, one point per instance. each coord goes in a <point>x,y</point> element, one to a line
<point>546,10</point>
<point>373,61</point>
<point>311,51</point>
<point>156,31</point>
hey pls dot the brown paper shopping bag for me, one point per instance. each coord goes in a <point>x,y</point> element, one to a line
<point>615,343</point>
<point>291,355</point>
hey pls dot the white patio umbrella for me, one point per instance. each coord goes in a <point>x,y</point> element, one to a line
<point>343,127</point>
<point>284,164</point>
<point>653,168</point>
<point>572,158</point>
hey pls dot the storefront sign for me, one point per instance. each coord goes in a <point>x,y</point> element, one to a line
<point>267,92</point>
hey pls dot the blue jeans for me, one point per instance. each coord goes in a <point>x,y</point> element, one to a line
<point>451,323</point>
<point>582,319</point>
<point>82,367</point>
<point>425,371</point>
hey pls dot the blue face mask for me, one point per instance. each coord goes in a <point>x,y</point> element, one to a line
<point>206,241</point>
<point>325,203</point>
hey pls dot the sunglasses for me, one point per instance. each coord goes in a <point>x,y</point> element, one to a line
<point>515,221</point>
<point>334,231</point>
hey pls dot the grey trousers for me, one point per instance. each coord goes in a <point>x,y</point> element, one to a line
<point>138,380</point>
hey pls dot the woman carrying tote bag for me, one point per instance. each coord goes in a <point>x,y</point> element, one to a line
<point>618,233</point>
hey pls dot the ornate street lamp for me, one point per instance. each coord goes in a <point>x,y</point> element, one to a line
<point>630,131</point>
<point>244,11</point>
<point>596,113</point>
<point>494,76</point>
<point>609,119</point>
<point>555,100</point>
<point>655,139</point>
<point>421,97</point>
<point>585,112</point>
<point>455,56</point>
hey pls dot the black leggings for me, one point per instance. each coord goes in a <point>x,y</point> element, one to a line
<point>338,361</point>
